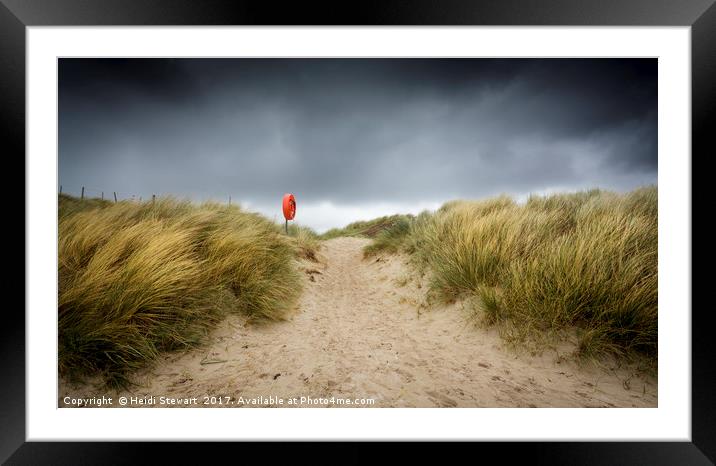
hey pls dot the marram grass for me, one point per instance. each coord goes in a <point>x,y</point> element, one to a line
<point>585,260</point>
<point>136,279</point>
<point>366,228</point>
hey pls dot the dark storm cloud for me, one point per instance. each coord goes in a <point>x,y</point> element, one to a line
<point>356,131</point>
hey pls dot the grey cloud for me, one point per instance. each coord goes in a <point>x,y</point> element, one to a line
<point>356,131</point>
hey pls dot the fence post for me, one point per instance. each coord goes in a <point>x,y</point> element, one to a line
<point>103,195</point>
<point>82,196</point>
<point>115,196</point>
<point>154,197</point>
<point>60,189</point>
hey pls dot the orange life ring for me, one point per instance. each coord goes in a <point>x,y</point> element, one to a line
<point>289,206</point>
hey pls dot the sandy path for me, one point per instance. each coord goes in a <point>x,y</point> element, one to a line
<point>357,334</point>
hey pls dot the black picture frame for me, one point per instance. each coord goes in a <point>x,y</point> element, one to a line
<point>16,15</point>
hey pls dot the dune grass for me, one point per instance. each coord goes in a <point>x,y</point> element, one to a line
<point>390,238</point>
<point>136,279</point>
<point>367,228</point>
<point>585,260</point>
<point>69,204</point>
<point>307,241</point>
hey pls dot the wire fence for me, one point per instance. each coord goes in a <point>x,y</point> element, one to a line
<point>89,192</point>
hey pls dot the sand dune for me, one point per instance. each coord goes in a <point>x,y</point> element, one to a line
<point>358,332</point>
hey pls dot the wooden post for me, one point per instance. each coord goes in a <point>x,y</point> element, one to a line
<point>60,189</point>
<point>103,195</point>
<point>286,226</point>
<point>115,196</point>
<point>154,198</point>
<point>82,196</point>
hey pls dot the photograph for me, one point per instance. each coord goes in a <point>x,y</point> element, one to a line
<point>363,232</point>
<point>441,210</point>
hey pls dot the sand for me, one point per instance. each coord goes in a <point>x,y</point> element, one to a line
<point>360,333</point>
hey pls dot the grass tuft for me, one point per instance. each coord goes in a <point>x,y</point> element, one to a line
<point>307,242</point>
<point>365,229</point>
<point>586,260</point>
<point>391,238</point>
<point>136,279</point>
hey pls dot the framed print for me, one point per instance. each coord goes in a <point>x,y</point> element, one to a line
<point>465,223</point>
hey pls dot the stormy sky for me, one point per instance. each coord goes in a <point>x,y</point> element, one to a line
<point>354,138</point>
